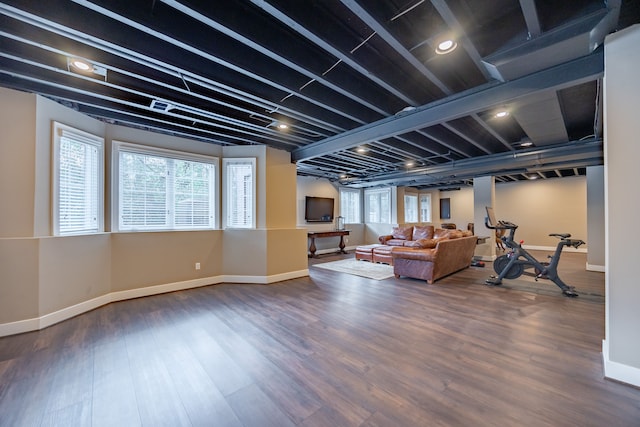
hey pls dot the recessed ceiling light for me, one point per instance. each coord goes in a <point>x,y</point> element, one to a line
<point>85,67</point>
<point>409,164</point>
<point>81,64</point>
<point>283,126</point>
<point>446,46</point>
<point>526,144</point>
<point>361,150</point>
<point>502,113</point>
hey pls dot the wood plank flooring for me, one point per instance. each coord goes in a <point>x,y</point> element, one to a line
<point>328,350</point>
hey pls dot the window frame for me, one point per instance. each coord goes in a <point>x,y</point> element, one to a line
<point>227,191</point>
<point>415,218</point>
<point>358,195</point>
<point>430,209</point>
<point>367,208</point>
<point>171,155</point>
<point>60,131</point>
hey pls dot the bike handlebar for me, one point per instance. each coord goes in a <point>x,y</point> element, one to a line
<point>501,225</point>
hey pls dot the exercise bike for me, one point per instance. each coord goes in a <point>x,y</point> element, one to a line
<point>513,264</point>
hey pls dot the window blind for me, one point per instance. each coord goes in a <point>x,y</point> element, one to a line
<point>162,190</point>
<point>410,208</point>
<point>350,205</point>
<point>240,193</point>
<point>378,205</point>
<point>77,182</point>
<point>425,207</point>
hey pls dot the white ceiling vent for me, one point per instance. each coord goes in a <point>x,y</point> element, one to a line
<point>161,106</point>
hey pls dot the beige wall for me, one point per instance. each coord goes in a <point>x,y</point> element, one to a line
<point>17,163</point>
<point>280,186</point>
<point>19,279</point>
<point>44,279</point>
<point>540,207</point>
<point>461,207</point>
<point>72,270</point>
<point>155,258</point>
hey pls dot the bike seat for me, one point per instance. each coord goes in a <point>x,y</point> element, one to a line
<point>560,235</point>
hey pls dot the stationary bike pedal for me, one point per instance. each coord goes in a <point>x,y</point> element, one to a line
<point>492,281</point>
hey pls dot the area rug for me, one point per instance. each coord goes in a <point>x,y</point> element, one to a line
<point>367,269</point>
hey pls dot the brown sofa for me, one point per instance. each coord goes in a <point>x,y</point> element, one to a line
<point>424,252</point>
<point>448,256</point>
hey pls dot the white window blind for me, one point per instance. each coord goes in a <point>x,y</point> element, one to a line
<point>410,208</point>
<point>164,190</point>
<point>350,205</point>
<point>240,192</point>
<point>78,181</point>
<point>378,205</point>
<point>425,208</point>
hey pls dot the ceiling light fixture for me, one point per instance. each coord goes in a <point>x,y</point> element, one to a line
<point>361,150</point>
<point>85,67</point>
<point>283,126</point>
<point>502,113</point>
<point>446,46</point>
<point>526,144</point>
<point>81,65</point>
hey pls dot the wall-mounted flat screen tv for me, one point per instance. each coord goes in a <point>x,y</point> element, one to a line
<point>318,209</point>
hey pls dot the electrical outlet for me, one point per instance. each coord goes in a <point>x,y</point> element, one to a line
<point>197,266</point>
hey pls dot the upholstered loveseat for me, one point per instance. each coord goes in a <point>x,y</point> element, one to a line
<point>427,253</point>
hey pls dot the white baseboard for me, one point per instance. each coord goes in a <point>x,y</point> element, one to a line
<point>618,371</point>
<point>19,327</point>
<point>69,312</point>
<point>34,324</point>
<point>265,280</point>
<point>598,268</point>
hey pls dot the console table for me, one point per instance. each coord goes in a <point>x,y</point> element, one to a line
<point>334,233</point>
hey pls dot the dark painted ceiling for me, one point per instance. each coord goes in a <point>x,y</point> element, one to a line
<point>342,75</point>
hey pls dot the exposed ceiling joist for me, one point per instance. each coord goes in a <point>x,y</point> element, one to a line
<point>573,155</point>
<point>584,69</point>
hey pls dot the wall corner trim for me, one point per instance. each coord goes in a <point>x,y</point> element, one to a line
<point>618,371</point>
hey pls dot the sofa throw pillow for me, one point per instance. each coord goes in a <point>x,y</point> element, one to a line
<point>422,232</point>
<point>402,233</point>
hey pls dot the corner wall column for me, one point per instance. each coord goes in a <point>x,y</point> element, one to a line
<point>621,346</point>
<point>484,194</point>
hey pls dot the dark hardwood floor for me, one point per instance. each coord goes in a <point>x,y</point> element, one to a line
<point>327,350</point>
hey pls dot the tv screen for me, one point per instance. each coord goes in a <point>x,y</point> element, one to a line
<point>318,209</point>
